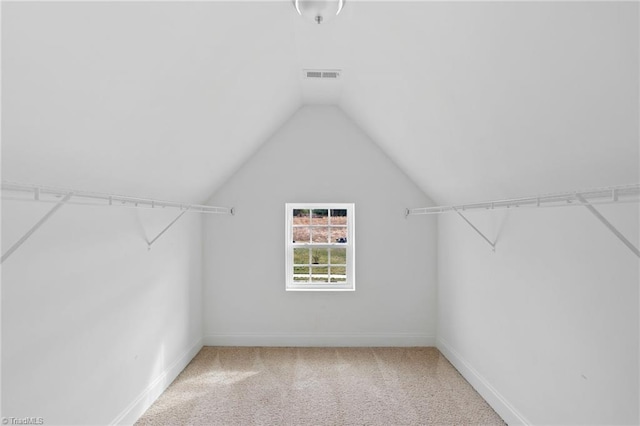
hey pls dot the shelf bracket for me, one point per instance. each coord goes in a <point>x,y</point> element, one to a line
<point>493,245</point>
<point>35,227</point>
<point>149,243</point>
<point>608,224</point>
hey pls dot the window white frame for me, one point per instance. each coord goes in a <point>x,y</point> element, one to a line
<point>349,246</point>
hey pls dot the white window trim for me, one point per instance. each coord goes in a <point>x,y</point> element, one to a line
<point>350,284</point>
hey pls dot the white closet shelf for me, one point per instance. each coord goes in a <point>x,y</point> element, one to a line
<point>60,196</point>
<point>585,198</point>
<point>49,194</point>
<point>607,195</point>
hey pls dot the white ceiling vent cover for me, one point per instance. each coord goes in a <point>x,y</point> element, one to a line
<point>321,74</point>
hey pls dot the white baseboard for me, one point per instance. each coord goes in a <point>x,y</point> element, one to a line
<point>320,339</point>
<point>499,403</point>
<point>133,412</point>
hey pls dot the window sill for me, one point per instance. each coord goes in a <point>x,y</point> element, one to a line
<point>319,288</point>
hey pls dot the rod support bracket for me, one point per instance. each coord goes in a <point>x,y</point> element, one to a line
<point>484,237</point>
<point>608,224</point>
<point>35,227</point>
<point>149,243</point>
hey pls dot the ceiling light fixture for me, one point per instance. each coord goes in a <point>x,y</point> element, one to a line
<point>319,10</point>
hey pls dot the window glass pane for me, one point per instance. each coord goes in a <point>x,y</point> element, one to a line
<point>339,271</point>
<point>338,217</point>
<point>320,274</point>
<point>338,274</point>
<point>320,235</point>
<point>301,234</point>
<point>301,270</point>
<point>319,256</point>
<point>338,256</point>
<point>301,216</point>
<point>339,235</point>
<point>320,217</point>
<point>301,256</point>
<point>301,279</point>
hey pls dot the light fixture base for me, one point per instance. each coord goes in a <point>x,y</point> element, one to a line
<point>318,11</point>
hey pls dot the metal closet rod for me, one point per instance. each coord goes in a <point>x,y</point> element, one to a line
<point>51,194</point>
<point>607,195</point>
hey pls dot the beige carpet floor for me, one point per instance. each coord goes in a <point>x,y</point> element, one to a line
<point>319,386</point>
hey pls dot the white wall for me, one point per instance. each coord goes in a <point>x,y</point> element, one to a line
<point>319,156</point>
<point>547,326</point>
<point>94,325</point>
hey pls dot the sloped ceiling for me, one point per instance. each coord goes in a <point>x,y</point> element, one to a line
<point>489,100</point>
<point>473,100</point>
<point>148,99</point>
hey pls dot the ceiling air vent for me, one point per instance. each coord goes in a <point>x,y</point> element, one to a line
<point>330,74</point>
<point>322,74</point>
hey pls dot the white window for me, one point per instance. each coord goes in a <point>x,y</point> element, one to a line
<point>320,247</point>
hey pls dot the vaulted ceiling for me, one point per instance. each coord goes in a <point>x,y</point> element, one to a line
<point>473,100</point>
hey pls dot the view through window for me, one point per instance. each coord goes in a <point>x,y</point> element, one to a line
<point>320,246</point>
